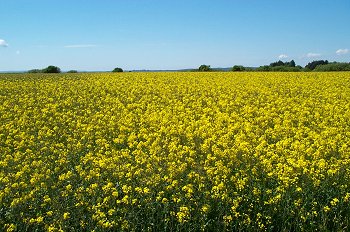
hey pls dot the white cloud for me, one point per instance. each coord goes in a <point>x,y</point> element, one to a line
<point>81,46</point>
<point>3,43</point>
<point>283,56</point>
<point>342,51</point>
<point>310,55</point>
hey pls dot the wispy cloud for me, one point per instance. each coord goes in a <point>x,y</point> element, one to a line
<point>3,43</point>
<point>282,56</point>
<point>311,55</point>
<point>342,51</point>
<point>81,46</point>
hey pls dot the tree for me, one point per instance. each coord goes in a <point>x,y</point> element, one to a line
<point>278,63</point>
<point>238,68</point>
<point>333,67</point>
<point>285,69</point>
<point>312,65</point>
<point>72,71</point>
<point>264,68</point>
<point>117,70</point>
<point>284,64</point>
<point>292,63</point>
<point>35,71</point>
<point>204,68</point>
<point>51,69</point>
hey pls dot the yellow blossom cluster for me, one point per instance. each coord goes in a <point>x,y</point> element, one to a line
<point>175,152</point>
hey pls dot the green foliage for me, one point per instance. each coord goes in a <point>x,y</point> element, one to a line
<point>238,68</point>
<point>280,66</point>
<point>287,67</point>
<point>117,70</point>
<point>264,68</point>
<point>278,63</point>
<point>312,65</point>
<point>292,63</point>
<point>249,69</point>
<point>72,71</point>
<point>51,69</point>
<point>333,67</point>
<point>35,71</point>
<point>283,64</point>
<point>204,68</point>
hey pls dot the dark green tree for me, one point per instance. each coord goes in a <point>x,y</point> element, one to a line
<point>284,64</point>
<point>333,67</point>
<point>72,71</point>
<point>312,65</point>
<point>35,71</point>
<point>204,68</point>
<point>278,63</point>
<point>51,69</point>
<point>117,70</point>
<point>264,68</point>
<point>238,68</point>
<point>292,63</point>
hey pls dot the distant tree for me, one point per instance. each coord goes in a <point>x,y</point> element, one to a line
<point>264,68</point>
<point>35,71</point>
<point>281,63</point>
<point>292,63</point>
<point>312,65</point>
<point>51,69</point>
<point>249,69</point>
<point>333,67</point>
<point>278,63</point>
<point>72,71</point>
<point>238,68</point>
<point>286,69</point>
<point>117,70</point>
<point>204,68</point>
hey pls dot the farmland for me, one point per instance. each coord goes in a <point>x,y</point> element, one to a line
<point>175,151</point>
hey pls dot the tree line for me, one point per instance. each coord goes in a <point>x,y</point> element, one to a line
<point>289,66</point>
<point>278,66</point>
<point>49,69</point>
<point>55,69</point>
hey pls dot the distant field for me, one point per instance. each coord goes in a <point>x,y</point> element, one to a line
<point>175,152</point>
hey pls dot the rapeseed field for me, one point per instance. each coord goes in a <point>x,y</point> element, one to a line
<point>175,152</point>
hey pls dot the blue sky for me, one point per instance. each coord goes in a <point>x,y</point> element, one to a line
<point>164,34</point>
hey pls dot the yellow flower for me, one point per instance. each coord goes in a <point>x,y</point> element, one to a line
<point>146,190</point>
<point>117,147</point>
<point>39,219</point>
<point>10,227</point>
<point>205,208</point>
<point>66,215</point>
<point>183,214</point>
<point>334,202</point>
<point>326,209</point>
<point>227,219</point>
